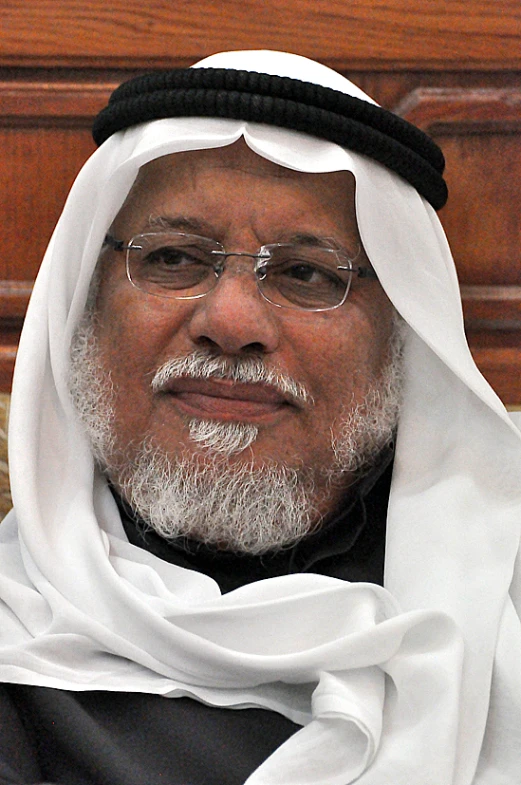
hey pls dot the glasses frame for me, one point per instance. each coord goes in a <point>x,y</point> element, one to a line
<point>262,258</point>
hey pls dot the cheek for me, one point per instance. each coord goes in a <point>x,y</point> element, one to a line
<point>344,357</point>
<point>127,343</point>
<point>132,327</point>
<point>121,344</point>
<point>136,335</point>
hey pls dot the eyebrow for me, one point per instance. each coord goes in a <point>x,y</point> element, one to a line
<point>312,239</point>
<point>180,223</point>
<point>193,225</point>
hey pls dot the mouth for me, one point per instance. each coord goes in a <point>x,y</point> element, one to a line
<point>226,400</point>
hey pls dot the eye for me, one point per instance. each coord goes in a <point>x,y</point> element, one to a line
<point>310,274</point>
<point>170,266</point>
<point>303,283</point>
<point>169,256</point>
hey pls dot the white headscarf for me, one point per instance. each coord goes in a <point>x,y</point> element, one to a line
<point>417,682</point>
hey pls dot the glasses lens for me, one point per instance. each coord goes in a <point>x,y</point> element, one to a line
<point>172,264</point>
<point>304,277</point>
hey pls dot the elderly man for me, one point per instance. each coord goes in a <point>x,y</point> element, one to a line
<point>266,510</point>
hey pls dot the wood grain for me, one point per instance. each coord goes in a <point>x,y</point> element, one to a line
<point>464,109</point>
<point>398,34</point>
<point>5,496</point>
<point>26,103</point>
<point>45,139</point>
<point>479,130</point>
<point>501,367</point>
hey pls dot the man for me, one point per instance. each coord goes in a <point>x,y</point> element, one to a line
<point>202,440</point>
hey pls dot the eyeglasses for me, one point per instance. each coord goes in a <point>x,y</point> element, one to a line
<point>308,276</point>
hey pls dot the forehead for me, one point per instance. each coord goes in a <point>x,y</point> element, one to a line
<point>233,183</point>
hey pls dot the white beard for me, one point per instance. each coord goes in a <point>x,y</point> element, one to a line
<point>236,506</point>
<point>246,509</point>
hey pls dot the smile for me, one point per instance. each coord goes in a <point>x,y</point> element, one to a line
<point>226,400</point>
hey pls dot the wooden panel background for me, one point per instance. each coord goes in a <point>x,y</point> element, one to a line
<point>453,68</point>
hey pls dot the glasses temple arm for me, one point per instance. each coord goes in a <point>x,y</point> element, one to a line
<point>117,245</point>
<point>361,272</point>
<point>365,272</point>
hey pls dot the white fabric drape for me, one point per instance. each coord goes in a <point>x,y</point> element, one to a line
<point>415,683</point>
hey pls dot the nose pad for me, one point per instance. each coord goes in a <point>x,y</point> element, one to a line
<point>234,315</point>
<point>248,263</point>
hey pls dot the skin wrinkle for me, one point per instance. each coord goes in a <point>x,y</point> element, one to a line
<point>134,335</point>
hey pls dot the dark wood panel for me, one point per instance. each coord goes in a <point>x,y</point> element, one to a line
<point>45,139</point>
<point>57,103</point>
<point>462,109</point>
<point>480,133</point>
<point>14,297</point>
<point>400,34</point>
<point>483,216</point>
<point>502,369</point>
<point>38,166</point>
<point>492,307</point>
<point>7,360</point>
<point>493,325</point>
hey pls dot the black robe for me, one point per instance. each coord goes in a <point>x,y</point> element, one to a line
<point>115,738</point>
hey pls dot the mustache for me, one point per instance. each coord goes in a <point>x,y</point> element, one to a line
<point>243,370</point>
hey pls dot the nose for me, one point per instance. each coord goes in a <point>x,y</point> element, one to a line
<point>234,316</point>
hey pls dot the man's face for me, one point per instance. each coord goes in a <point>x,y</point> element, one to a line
<point>243,201</point>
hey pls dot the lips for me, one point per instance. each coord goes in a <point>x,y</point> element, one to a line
<point>226,400</point>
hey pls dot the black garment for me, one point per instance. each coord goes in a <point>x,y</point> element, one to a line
<point>107,738</point>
